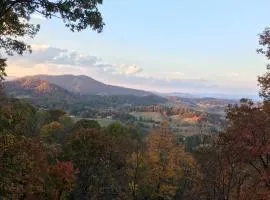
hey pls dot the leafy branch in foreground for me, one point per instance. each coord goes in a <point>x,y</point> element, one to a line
<point>15,26</point>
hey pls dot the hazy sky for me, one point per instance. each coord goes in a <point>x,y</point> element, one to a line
<point>178,45</point>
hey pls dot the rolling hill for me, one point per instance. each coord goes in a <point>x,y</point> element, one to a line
<point>86,85</point>
<point>44,94</point>
<point>35,88</point>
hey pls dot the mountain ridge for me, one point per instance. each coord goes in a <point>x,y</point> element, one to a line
<point>83,85</point>
<point>44,94</point>
<point>35,88</point>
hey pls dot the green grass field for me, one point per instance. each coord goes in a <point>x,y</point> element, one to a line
<point>155,116</point>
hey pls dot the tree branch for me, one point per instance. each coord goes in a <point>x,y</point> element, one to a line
<point>9,8</point>
<point>263,162</point>
<point>254,166</point>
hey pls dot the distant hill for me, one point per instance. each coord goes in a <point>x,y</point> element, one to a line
<point>35,88</point>
<point>44,94</point>
<point>86,85</point>
<point>195,95</point>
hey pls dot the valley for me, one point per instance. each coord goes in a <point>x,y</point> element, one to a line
<point>84,98</point>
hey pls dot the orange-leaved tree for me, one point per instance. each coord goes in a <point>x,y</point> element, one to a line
<point>166,163</point>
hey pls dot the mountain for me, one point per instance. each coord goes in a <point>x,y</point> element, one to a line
<point>35,88</point>
<point>44,94</point>
<point>176,94</point>
<point>195,95</point>
<point>86,85</point>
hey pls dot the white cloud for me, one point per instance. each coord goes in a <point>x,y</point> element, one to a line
<point>52,56</point>
<point>171,76</point>
<point>51,60</point>
<point>234,74</point>
<point>39,47</point>
<point>129,69</point>
<point>44,54</point>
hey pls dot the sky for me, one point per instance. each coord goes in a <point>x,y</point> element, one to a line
<point>187,46</point>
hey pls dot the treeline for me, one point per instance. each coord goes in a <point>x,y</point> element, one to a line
<point>120,115</point>
<point>167,110</point>
<point>77,104</point>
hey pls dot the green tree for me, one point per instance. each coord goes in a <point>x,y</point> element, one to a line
<point>101,164</point>
<point>15,16</point>
<point>56,114</point>
<point>117,130</point>
<point>2,73</point>
<point>86,124</point>
<point>55,131</point>
<point>17,117</point>
<point>51,132</point>
<point>264,80</point>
